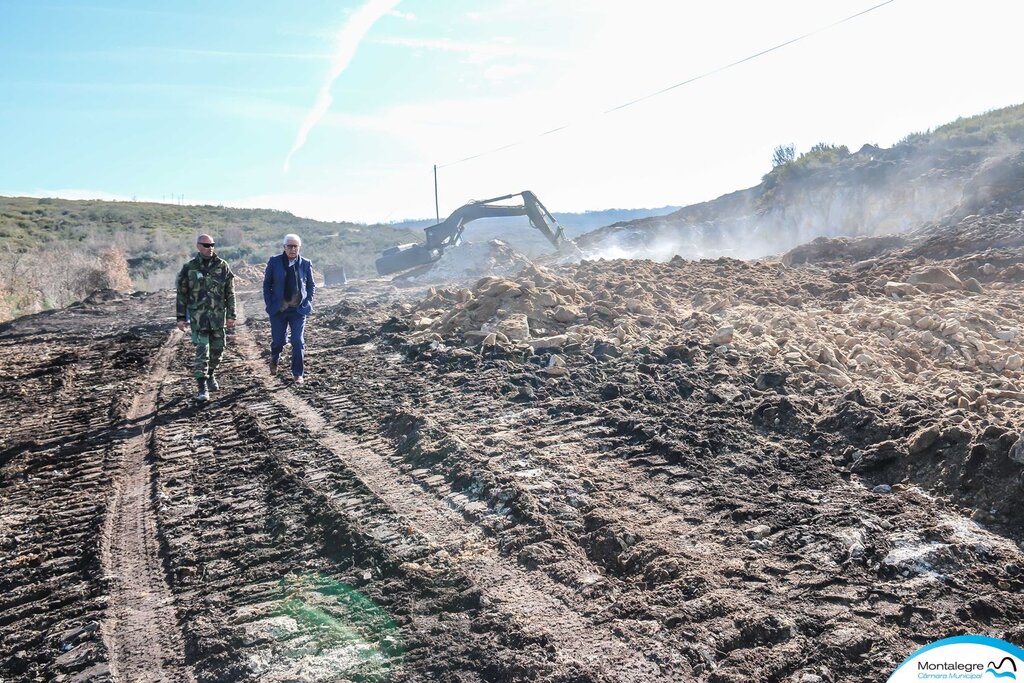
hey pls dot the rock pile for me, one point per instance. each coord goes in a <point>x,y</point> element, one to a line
<point>471,260</point>
<point>894,322</point>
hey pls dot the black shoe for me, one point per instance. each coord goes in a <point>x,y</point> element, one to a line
<point>211,383</point>
<point>203,394</point>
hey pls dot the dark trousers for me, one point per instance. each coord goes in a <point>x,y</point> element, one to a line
<point>293,323</point>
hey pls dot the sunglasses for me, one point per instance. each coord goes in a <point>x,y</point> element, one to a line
<point>208,246</point>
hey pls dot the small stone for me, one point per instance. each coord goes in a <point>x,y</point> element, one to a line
<point>515,327</point>
<point>565,314</point>
<point>722,336</point>
<point>882,488</point>
<point>900,289</point>
<point>942,278</point>
<point>1017,451</point>
<point>555,342</point>
<point>547,299</point>
<point>922,440</point>
<point>770,380</point>
<point>723,393</point>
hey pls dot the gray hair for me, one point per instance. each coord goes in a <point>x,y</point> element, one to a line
<point>291,236</point>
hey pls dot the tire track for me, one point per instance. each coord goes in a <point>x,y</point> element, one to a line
<point>286,567</point>
<point>59,446</point>
<point>520,594</point>
<point>140,628</point>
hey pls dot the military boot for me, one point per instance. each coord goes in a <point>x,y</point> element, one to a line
<point>211,383</point>
<point>203,394</point>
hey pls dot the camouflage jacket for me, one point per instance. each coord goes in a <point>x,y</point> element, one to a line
<point>206,293</point>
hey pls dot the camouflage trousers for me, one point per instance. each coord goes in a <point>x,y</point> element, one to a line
<point>209,349</point>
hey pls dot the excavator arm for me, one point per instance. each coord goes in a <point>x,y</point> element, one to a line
<point>448,233</point>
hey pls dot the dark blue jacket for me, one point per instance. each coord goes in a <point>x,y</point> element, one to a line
<point>273,284</point>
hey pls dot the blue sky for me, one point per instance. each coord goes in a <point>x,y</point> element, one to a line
<point>218,101</point>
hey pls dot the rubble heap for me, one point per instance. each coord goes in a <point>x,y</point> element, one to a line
<point>894,321</point>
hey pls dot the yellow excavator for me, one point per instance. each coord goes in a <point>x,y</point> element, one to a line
<point>448,233</point>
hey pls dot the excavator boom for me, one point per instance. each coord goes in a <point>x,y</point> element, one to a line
<point>448,233</point>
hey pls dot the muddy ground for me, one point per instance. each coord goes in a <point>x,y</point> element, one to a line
<point>710,471</point>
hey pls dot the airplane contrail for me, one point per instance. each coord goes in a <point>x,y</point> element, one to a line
<point>349,38</point>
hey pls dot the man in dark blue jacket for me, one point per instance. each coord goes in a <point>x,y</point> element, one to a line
<point>288,290</point>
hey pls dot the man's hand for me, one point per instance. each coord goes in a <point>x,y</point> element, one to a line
<point>182,325</point>
<point>229,323</point>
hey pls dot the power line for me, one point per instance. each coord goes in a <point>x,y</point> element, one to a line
<point>680,84</point>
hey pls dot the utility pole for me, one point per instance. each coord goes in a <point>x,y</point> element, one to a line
<point>437,211</point>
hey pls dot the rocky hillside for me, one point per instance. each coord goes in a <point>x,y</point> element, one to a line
<point>971,166</point>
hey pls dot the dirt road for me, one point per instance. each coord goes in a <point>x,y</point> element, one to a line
<point>430,508</point>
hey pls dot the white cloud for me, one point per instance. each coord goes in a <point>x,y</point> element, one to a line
<point>477,51</point>
<point>408,16</point>
<point>349,38</point>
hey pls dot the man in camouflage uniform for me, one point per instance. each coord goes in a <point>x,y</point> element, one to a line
<point>206,297</point>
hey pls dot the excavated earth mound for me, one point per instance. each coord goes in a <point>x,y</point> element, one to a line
<point>796,470</point>
<point>468,261</point>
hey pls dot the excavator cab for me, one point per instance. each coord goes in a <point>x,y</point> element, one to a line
<point>448,233</point>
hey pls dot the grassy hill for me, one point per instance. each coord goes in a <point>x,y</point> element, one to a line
<point>972,165</point>
<point>55,250</point>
